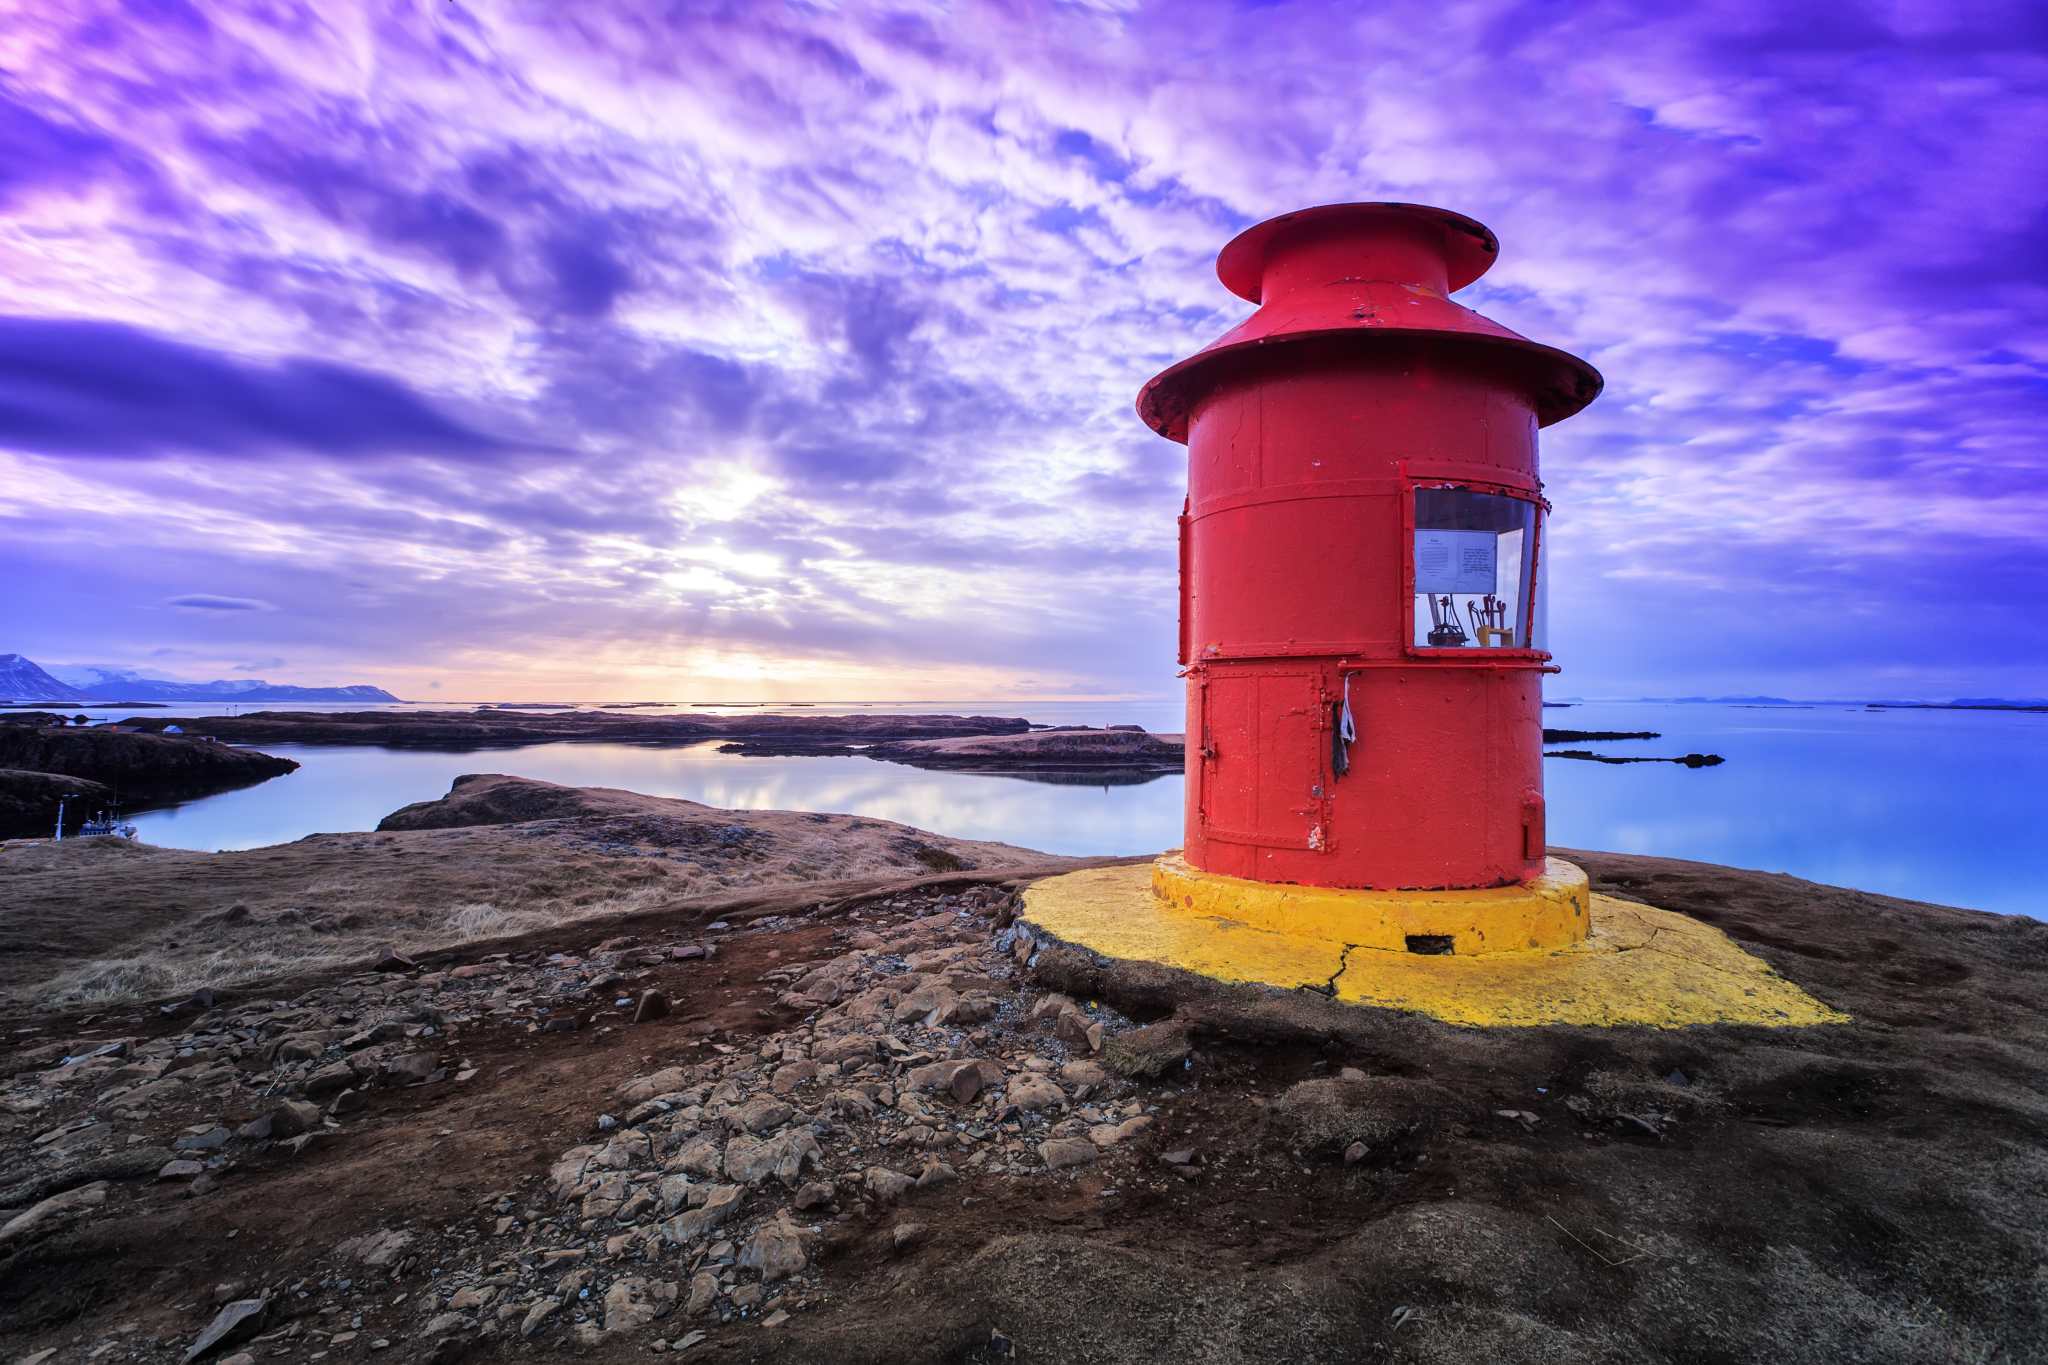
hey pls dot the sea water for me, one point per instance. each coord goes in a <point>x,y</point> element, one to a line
<point>1933,805</point>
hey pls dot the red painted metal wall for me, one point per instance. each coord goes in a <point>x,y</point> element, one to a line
<point>1309,428</point>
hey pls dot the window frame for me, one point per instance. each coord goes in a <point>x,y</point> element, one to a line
<point>1526,625</point>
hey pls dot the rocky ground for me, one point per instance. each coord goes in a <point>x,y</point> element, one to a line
<point>99,921</point>
<point>887,1124</point>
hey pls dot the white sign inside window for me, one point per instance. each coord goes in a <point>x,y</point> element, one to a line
<point>1455,561</point>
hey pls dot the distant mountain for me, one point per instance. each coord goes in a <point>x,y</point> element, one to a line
<point>21,680</point>
<point>88,683</point>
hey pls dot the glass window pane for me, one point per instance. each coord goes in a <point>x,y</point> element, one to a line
<point>1472,569</point>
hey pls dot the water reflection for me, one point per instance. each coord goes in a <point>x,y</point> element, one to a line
<point>352,788</point>
<point>1933,805</point>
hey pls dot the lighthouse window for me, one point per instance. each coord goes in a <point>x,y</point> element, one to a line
<point>1473,556</point>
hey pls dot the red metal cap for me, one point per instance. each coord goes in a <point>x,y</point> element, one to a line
<point>1381,273</point>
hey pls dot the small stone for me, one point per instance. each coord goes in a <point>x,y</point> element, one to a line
<point>1033,1093</point>
<point>776,1318</point>
<point>720,1202</point>
<point>653,1005</point>
<point>289,1118</point>
<point>377,1249</point>
<point>701,1158</point>
<point>391,960</point>
<point>793,1075</point>
<point>236,1322</point>
<point>784,1156</point>
<point>180,1170</point>
<point>411,1069</point>
<point>537,1315</point>
<point>1353,1154</point>
<point>904,1236</point>
<point>703,1293</point>
<point>84,1197</point>
<point>888,1186</point>
<point>775,1250</point>
<point>444,1324</point>
<point>1085,1076</point>
<point>1145,1053</point>
<point>1110,1134</point>
<point>347,1102</point>
<point>1076,1030</point>
<point>762,1115</point>
<point>630,1303</point>
<point>815,1194</point>
<point>1060,1153</point>
<point>329,1080</point>
<point>212,1140</point>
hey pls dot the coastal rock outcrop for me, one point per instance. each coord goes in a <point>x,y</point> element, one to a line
<point>127,767</point>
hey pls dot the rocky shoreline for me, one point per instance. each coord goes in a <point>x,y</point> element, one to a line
<point>43,760</point>
<point>1682,760</point>
<point>1112,754</point>
<point>493,727</point>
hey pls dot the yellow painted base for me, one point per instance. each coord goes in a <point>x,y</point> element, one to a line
<point>1550,912</point>
<point>1638,966</point>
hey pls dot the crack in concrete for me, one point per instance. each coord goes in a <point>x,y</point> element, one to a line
<point>1329,987</point>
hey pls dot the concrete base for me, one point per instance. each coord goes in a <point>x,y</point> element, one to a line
<point>1549,912</point>
<point>1637,966</point>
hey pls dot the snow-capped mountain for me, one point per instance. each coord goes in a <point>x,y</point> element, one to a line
<point>21,680</point>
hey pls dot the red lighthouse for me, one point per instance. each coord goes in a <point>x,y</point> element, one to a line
<point>1362,560</point>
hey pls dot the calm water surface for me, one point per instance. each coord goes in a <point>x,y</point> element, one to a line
<point>1941,806</point>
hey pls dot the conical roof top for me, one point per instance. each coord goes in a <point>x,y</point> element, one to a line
<point>1377,272</point>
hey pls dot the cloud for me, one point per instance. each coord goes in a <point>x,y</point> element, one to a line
<point>802,342</point>
<point>201,601</point>
<point>104,389</point>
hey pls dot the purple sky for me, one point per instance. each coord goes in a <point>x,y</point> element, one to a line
<point>564,350</point>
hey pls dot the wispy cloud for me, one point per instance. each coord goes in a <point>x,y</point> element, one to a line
<point>643,351</point>
<point>200,601</point>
